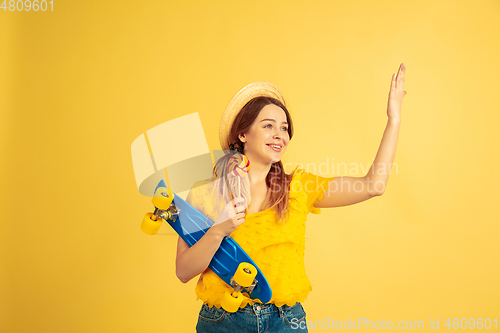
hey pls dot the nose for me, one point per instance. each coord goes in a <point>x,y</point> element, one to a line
<point>277,133</point>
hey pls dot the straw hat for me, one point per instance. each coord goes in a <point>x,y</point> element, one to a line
<point>255,89</point>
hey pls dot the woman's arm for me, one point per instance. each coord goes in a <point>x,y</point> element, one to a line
<point>192,261</point>
<point>344,191</point>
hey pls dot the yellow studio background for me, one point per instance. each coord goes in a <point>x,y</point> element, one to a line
<point>78,84</point>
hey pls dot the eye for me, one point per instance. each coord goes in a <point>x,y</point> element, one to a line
<point>268,125</point>
<point>284,128</point>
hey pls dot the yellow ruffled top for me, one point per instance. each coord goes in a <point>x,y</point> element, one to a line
<point>276,247</point>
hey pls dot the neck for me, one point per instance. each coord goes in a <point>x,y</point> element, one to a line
<point>258,173</point>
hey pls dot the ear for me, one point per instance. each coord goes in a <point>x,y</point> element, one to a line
<point>242,137</point>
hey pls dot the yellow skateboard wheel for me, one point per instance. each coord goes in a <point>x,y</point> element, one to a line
<point>163,198</point>
<point>149,226</point>
<point>231,302</point>
<point>245,274</point>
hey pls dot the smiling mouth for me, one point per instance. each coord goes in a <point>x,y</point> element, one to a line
<point>276,148</point>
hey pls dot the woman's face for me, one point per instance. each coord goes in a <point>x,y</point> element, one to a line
<point>267,138</point>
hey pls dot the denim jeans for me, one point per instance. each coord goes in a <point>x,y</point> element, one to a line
<point>258,318</point>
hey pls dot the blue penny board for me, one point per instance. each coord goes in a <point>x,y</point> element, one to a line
<point>191,225</point>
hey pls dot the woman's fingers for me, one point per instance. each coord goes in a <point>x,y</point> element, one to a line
<point>393,82</point>
<point>398,79</point>
<point>239,200</point>
<point>401,74</point>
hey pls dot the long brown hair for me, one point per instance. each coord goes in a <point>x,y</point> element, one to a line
<point>278,182</point>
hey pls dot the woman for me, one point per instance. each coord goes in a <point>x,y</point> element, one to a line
<point>272,231</point>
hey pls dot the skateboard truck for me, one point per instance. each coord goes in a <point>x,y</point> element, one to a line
<point>171,213</point>
<point>243,278</point>
<point>237,287</point>
<point>164,209</point>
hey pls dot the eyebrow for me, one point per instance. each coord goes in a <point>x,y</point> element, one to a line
<point>273,121</point>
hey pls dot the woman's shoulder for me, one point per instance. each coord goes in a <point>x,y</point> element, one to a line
<point>203,182</point>
<point>300,175</point>
<point>304,176</point>
<point>310,183</point>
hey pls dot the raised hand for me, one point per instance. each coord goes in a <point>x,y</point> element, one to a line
<point>396,94</point>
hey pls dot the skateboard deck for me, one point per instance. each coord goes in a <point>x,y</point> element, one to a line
<point>190,224</point>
